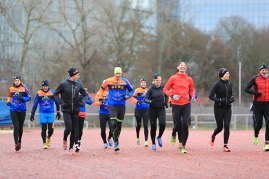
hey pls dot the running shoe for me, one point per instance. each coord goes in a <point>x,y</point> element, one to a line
<point>160,142</point>
<point>138,141</point>
<point>183,150</point>
<point>48,141</point>
<point>226,149</point>
<point>77,148</point>
<point>17,146</point>
<point>154,147</point>
<point>116,146</point>
<point>64,144</point>
<point>105,146</point>
<point>71,151</point>
<point>266,147</point>
<point>173,140</point>
<point>146,143</point>
<point>45,146</point>
<point>255,140</point>
<point>212,140</point>
<point>110,142</point>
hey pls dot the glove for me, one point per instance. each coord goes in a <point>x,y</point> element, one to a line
<point>58,115</point>
<point>8,103</point>
<point>81,104</point>
<point>231,99</point>
<point>258,94</point>
<point>19,98</point>
<point>32,118</point>
<point>165,105</point>
<point>170,104</point>
<point>126,97</point>
<point>139,103</point>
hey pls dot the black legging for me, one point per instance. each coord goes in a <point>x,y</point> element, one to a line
<point>18,119</point>
<point>44,127</point>
<point>261,111</point>
<point>223,116</point>
<point>105,118</point>
<point>116,117</point>
<point>139,114</point>
<point>80,127</point>
<point>153,114</point>
<point>181,114</point>
<point>71,125</point>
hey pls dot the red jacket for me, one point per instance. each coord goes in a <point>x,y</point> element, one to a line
<point>182,85</point>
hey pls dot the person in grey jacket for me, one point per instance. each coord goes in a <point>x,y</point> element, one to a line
<point>69,90</point>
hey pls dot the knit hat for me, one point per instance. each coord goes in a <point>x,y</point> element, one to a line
<point>73,71</point>
<point>45,83</point>
<point>156,76</point>
<point>263,66</point>
<point>142,79</point>
<point>222,72</point>
<point>17,77</point>
<point>118,70</point>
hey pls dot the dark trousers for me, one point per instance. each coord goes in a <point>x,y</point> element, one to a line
<point>181,117</point>
<point>261,110</point>
<point>44,127</point>
<point>116,117</point>
<point>139,115</point>
<point>80,127</point>
<point>104,119</point>
<point>154,114</point>
<point>223,118</point>
<point>71,126</point>
<point>18,119</point>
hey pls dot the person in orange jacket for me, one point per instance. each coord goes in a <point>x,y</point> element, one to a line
<point>141,111</point>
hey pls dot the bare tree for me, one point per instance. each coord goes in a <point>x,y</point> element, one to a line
<point>25,18</point>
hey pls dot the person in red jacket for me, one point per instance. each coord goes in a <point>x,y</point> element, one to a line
<point>259,87</point>
<point>180,87</point>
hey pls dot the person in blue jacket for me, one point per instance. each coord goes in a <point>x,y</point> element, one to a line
<point>81,115</point>
<point>44,97</point>
<point>18,95</point>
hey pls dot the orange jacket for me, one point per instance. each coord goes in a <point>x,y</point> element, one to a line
<point>182,85</point>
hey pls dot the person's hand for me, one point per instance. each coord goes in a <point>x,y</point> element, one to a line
<point>81,104</point>
<point>102,102</point>
<point>231,99</point>
<point>166,105</point>
<point>258,94</point>
<point>170,104</point>
<point>139,103</point>
<point>19,98</point>
<point>8,103</point>
<point>58,115</point>
<point>32,118</point>
<point>126,97</point>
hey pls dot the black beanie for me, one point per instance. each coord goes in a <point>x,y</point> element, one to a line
<point>263,66</point>
<point>72,71</point>
<point>222,72</point>
<point>142,79</point>
<point>45,83</point>
<point>155,76</point>
<point>17,77</point>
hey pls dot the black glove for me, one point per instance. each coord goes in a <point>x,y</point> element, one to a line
<point>139,103</point>
<point>166,105</point>
<point>19,98</point>
<point>258,94</point>
<point>126,97</point>
<point>170,104</point>
<point>81,104</point>
<point>58,115</point>
<point>32,118</point>
<point>231,99</point>
<point>8,103</point>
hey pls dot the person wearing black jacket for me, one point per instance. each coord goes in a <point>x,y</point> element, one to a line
<point>157,101</point>
<point>221,93</point>
<point>69,90</point>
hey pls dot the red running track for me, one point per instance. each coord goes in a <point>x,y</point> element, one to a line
<point>133,161</point>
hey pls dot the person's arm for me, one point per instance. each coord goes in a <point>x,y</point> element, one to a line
<point>192,89</point>
<point>130,88</point>
<point>212,93</point>
<point>27,96</point>
<point>134,97</point>
<point>148,96</point>
<point>35,104</point>
<point>89,101</point>
<point>249,86</point>
<point>57,92</point>
<point>167,87</point>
